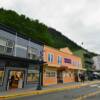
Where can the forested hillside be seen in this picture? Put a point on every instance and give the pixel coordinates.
(36, 30)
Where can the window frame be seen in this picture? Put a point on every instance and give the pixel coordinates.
(31, 55)
(50, 57)
(1, 84)
(33, 68)
(59, 60)
(6, 46)
(51, 74)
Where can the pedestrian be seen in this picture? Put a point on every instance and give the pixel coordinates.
(82, 77)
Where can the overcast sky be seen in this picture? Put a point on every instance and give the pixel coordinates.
(77, 19)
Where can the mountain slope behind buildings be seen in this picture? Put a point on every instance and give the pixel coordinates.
(36, 30)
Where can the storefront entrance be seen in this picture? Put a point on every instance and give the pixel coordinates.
(16, 73)
(60, 77)
(15, 79)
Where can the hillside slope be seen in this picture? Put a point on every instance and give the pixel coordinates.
(36, 30)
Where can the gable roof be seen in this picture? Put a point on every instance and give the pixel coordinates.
(66, 50)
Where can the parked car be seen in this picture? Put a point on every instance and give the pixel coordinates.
(96, 75)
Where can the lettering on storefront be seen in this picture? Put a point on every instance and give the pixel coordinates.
(66, 60)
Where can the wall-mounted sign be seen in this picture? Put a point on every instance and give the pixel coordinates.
(66, 60)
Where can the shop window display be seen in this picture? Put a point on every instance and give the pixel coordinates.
(1, 77)
(16, 79)
(33, 76)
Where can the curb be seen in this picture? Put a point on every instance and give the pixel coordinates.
(39, 92)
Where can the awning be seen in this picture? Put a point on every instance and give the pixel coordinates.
(71, 67)
(19, 59)
(62, 67)
(51, 65)
(68, 67)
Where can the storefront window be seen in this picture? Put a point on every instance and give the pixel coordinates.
(16, 79)
(33, 76)
(1, 76)
(50, 74)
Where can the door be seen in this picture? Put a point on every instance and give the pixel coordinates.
(60, 76)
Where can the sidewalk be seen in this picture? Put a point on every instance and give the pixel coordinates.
(48, 89)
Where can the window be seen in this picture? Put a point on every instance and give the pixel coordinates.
(6, 46)
(8, 50)
(10, 43)
(32, 56)
(9, 47)
(1, 76)
(2, 45)
(59, 60)
(32, 53)
(79, 64)
(16, 79)
(50, 74)
(2, 42)
(50, 57)
(2, 49)
(33, 76)
(74, 63)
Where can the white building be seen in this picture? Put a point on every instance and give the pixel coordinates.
(96, 60)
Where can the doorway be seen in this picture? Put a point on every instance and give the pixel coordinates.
(15, 79)
(59, 76)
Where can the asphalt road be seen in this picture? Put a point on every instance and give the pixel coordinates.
(96, 97)
(74, 94)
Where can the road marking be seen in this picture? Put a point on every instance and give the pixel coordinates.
(82, 97)
(95, 85)
(98, 86)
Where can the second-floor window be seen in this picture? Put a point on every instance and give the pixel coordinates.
(76, 63)
(50, 57)
(59, 60)
(6, 46)
(32, 53)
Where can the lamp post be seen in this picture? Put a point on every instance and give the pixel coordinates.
(40, 64)
(39, 87)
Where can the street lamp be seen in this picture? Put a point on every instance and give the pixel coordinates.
(40, 64)
(39, 87)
